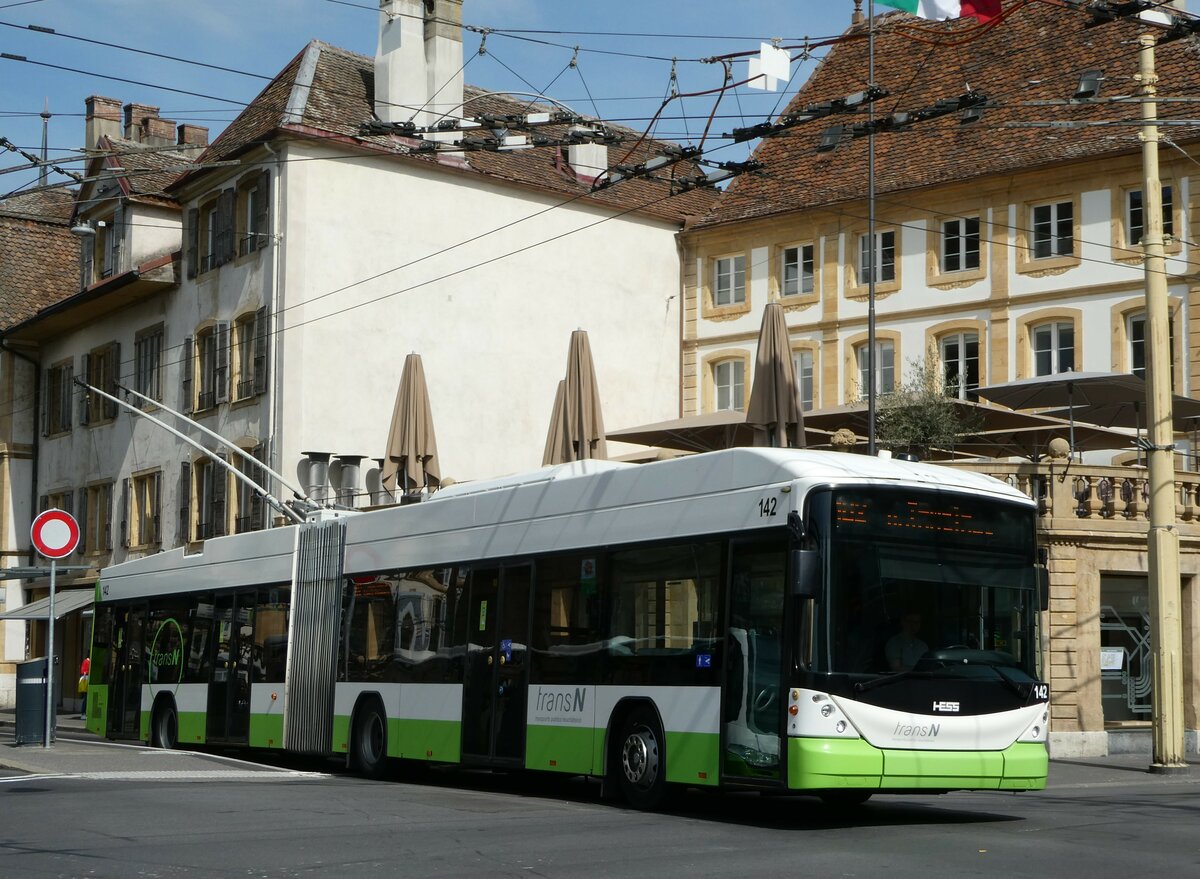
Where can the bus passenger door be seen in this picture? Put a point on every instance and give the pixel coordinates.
(752, 702)
(497, 670)
(125, 698)
(229, 691)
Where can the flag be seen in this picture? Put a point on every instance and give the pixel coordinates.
(938, 10)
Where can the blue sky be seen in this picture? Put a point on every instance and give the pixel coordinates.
(261, 36)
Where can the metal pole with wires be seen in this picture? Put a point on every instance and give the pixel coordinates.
(871, 252)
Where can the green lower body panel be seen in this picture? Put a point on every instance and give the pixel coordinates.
(266, 730)
(97, 708)
(433, 740)
(830, 764)
(341, 733)
(193, 727)
(561, 748)
(694, 758)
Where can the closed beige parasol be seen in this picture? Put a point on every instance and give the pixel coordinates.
(410, 457)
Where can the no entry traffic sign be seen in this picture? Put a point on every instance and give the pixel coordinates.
(55, 534)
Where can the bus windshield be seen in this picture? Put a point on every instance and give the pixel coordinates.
(927, 581)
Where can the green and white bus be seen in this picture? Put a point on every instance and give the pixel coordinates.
(786, 620)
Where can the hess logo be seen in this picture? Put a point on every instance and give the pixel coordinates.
(946, 707)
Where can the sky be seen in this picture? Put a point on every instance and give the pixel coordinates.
(261, 36)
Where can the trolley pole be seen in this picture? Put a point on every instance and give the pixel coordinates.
(1166, 638)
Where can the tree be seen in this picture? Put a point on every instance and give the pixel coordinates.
(921, 415)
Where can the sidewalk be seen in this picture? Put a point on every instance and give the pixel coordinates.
(78, 752)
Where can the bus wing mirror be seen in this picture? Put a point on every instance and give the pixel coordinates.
(1043, 587)
(806, 573)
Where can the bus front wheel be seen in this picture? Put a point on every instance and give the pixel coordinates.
(641, 760)
(164, 728)
(370, 741)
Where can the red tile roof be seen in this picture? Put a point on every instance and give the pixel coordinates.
(1035, 54)
(340, 100)
(39, 257)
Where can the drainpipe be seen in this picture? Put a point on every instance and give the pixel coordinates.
(37, 434)
(274, 452)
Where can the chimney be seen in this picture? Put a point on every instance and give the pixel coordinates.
(158, 131)
(400, 88)
(444, 59)
(193, 135)
(317, 479)
(103, 120)
(588, 160)
(136, 116)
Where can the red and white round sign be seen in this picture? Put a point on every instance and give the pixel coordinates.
(55, 534)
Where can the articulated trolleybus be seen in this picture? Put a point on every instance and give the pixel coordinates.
(786, 620)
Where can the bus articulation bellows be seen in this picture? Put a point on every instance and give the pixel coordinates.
(764, 618)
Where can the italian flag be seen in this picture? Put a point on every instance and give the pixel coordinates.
(939, 10)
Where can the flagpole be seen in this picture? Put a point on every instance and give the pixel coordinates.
(871, 254)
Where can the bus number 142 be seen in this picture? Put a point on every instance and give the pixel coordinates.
(766, 506)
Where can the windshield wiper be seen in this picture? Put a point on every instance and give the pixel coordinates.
(864, 686)
(1012, 685)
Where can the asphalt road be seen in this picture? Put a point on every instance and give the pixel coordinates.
(313, 820)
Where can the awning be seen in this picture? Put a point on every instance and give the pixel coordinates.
(65, 602)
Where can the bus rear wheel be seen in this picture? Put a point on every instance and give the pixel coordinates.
(370, 740)
(164, 727)
(641, 760)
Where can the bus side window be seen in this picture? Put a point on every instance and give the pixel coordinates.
(199, 658)
(566, 613)
(270, 634)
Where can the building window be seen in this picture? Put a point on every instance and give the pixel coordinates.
(729, 380)
(147, 362)
(248, 511)
(797, 272)
(253, 214)
(211, 480)
(729, 280)
(1135, 224)
(100, 370)
(63, 499)
(1135, 328)
(249, 355)
(95, 518)
(802, 362)
(210, 230)
(143, 511)
(1053, 348)
(885, 368)
(1053, 230)
(960, 244)
(885, 257)
(960, 364)
(212, 365)
(58, 386)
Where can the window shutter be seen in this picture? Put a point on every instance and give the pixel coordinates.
(220, 480)
(68, 389)
(85, 400)
(126, 489)
(225, 208)
(184, 523)
(43, 503)
(221, 379)
(47, 402)
(155, 535)
(193, 240)
(118, 240)
(104, 496)
(68, 506)
(85, 543)
(85, 261)
(186, 367)
(262, 339)
(257, 507)
(114, 378)
(262, 216)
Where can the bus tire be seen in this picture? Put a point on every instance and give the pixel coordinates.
(370, 740)
(164, 726)
(641, 766)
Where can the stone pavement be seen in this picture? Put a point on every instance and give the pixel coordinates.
(79, 753)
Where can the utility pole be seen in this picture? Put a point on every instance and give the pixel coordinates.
(1166, 638)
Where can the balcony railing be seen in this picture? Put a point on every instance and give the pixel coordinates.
(1119, 495)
